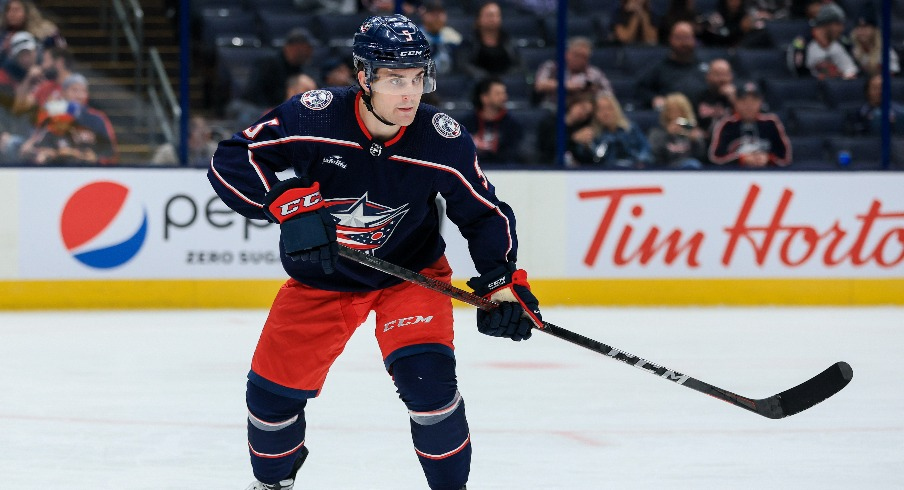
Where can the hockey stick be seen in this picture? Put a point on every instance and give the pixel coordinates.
(784, 404)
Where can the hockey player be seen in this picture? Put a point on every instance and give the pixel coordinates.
(369, 162)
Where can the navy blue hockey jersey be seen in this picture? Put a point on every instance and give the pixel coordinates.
(381, 195)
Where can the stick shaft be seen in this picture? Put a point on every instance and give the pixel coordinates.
(778, 406)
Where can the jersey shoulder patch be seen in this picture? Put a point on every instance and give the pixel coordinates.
(446, 126)
(316, 100)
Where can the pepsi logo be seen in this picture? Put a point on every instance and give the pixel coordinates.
(102, 225)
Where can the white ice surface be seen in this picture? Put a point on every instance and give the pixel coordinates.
(155, 400)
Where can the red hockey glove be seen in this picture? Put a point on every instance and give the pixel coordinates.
(518, 309)
(307, 229)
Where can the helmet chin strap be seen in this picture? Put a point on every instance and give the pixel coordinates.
(365, 96)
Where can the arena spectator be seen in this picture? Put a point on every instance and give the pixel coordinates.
(733, 24)
(868, 118)
(677, 142)
(298, 84)
(678, 72)
(71, 132)
(42, 82)
(766, 10)
(678, 11)
(13, 71)
(444, 40)
(866, 40)
(750, 138)
(497, 135)
(580, 75)
(201, 145)
(24, 16)
(616, 142)
(821, 54)
(632, 23)
(489, 50)
(267, 84)
(56, 66)
(578, 116)
(717, 99)
(336, 72)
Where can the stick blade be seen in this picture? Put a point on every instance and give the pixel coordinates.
(807, 394)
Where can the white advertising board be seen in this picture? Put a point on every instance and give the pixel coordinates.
(168, 224)
(137, 223)
(706, 224)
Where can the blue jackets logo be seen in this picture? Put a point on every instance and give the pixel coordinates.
(102, 225)
(363, 224)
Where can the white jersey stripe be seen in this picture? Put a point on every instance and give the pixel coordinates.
(231, 188)
(316, 139)
(424, 163)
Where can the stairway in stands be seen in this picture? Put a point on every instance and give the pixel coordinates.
(86, 26)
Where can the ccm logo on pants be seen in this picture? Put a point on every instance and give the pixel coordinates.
(404, 322)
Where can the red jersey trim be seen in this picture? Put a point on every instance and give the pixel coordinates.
(364, 130)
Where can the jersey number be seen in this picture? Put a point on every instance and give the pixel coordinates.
(251, 132)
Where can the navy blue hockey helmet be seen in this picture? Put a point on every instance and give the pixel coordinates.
(393, 41)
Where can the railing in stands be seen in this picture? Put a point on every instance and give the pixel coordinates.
(169, 123)
(131, 23)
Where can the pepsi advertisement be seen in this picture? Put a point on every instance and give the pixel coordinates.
(137, 223)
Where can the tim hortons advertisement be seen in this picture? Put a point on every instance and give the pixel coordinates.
(736, 225)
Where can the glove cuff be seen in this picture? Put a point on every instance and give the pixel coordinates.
(498, 278)
(286, 204)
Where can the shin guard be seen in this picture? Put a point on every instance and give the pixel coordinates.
(439, 429)
(276, 428)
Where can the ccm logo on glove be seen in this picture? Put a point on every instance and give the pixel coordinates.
(296, 200)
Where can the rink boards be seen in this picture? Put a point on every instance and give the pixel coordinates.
(145, 238)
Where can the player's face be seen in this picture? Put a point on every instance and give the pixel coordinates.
(396, 93)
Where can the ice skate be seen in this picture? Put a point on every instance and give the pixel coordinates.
(287, 483)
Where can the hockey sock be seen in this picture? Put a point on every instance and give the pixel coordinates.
(276, 428)
(439, 429)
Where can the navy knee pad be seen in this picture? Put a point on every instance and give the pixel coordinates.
(276, 429)
(439, 429)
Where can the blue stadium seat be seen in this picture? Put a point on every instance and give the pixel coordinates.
(866, 152)
(235, 64)
(519, 90)
(588, 26)
(336, 30)
(638, 58)
(624, 91)
(644, 119)
(810, 153)
(276, 24)
(198, 7)
(707, 54)
(610, 59)
(454, 90)
(530, 121)
(524, 29)
(794, 93)
(217, 26)
(841, 92)
(533, 57)
(761, 63)
(814, 122)
(463, 23)
(782, 32)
